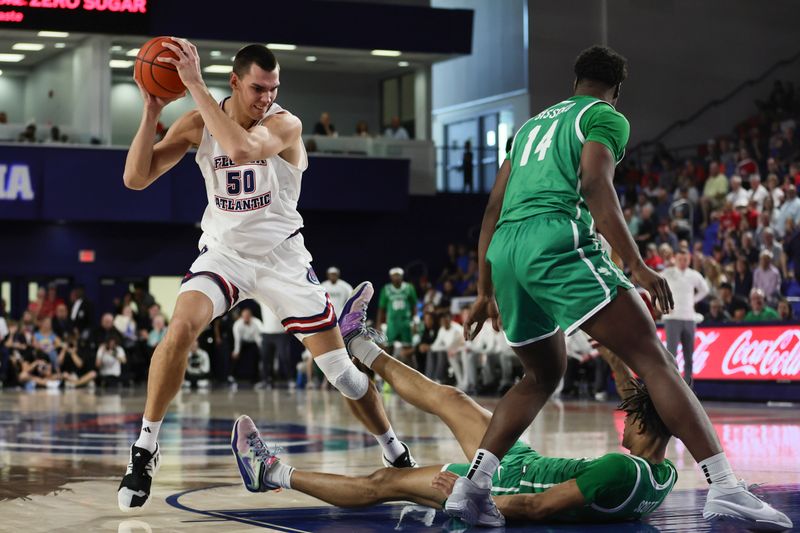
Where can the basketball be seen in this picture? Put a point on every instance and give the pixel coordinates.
(158, 78)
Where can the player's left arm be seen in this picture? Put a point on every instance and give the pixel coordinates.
(539, 506)
(273, 136)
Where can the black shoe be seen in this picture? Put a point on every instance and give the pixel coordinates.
(134, 490)
(404, 461)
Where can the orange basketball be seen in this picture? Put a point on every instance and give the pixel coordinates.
(159, 79)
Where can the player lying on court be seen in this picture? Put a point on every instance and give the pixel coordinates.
(527, 486)
(252, 158)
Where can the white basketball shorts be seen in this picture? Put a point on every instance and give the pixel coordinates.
(283, 280)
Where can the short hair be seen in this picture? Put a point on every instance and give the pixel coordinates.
(254, 53)
(641, 408)
(601, 64)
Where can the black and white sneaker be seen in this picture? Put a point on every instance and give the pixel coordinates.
(134, 490)
(404, 461)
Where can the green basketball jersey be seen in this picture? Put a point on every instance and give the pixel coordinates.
(546, 153)
(399, 303)
(616, 486)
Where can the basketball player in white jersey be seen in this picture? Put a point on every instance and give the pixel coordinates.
(252, 157)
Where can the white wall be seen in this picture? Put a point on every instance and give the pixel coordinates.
(682, 53)
(41, 105)
(498, 63)
(12, 98)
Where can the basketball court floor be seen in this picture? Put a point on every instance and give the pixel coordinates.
(62, 455)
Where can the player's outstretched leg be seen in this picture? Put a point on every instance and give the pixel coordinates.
(258, 464)
(193, 312)
(352, 324)
(681, 411)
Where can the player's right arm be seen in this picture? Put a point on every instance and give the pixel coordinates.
(146, 162)
(597, 186)
(485, 306)
(539, 506)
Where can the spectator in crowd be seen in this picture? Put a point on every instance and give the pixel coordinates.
(767, 278)
(80, 309)
(716, 313)
(775, 191)
(647, 227)
(396, 308)
(3, 117)
(432, 297)
(714, 275)
(106, 330)
(652, 259)
(62, 325)
(246, 345)
(51, 302)
(158, 332)
(790, 209)
(737, 194)
(791, 247)
(688, 288)
(770, 245)
(666, 236)
(198, 368)
(223, 346)
(758, 193)
(275, 344)
(142, 299)
(29, 134)
(125, 324)
(36, 307)
(448, 293)
(748, 248)
(47, 342)
(734, 305)
(109, 361)
(396, 131)
(362, 129)
(3, 321)
(785, 312)
(759, 311)
(324, 126)
(667, 255)
(37, 372)
(427, 330)
(74, 371)
(742, 277)
(714, 190)
(448, 344)
(467, 361)
(338, 289)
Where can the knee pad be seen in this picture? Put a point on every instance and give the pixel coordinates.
(343, 374)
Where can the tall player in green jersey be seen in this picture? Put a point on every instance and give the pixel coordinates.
(540, 260)
(528, 486)
(396, 307)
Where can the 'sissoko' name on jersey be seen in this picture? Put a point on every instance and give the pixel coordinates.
(553, 113)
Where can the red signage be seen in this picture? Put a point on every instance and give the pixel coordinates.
(765, 353)
(115, 16)
(86, 256)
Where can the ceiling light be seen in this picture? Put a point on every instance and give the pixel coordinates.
(116, 48)
(402, 63)
(132, 52)
(120, 63)
(53, 34)
(386, 53)
(280, 46)
(311, 59)
(11, 58)
(31, 47)
(218, 69)
(60, 45)
(215, 53)
(1, 72)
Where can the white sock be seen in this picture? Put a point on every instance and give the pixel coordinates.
(364, 350)
(149, 435)
(392, 449)
(718, 471)
(483, 468)
(281, 474)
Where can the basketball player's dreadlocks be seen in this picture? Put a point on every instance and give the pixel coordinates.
(640, 406)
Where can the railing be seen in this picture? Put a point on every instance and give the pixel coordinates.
(713, 103)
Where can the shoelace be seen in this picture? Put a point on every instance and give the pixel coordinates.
(262, 451)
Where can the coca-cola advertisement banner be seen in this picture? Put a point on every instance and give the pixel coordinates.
(765, 353)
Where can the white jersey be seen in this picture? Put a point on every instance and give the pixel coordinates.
(252, 207)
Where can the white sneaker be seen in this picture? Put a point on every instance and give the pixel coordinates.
(473, 505)
(738, 504)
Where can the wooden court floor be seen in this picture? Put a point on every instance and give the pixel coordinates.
(63, 453)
